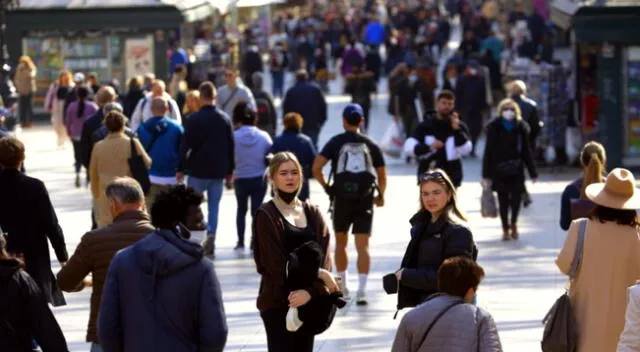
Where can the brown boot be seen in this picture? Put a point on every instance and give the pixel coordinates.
(514, 232)
(505, 235)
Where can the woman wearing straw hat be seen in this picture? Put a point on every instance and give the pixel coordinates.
(610, 261)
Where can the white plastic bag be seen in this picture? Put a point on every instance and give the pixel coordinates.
(393, 139)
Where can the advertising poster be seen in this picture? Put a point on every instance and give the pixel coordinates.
(139, 56)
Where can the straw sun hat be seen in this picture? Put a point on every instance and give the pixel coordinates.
(618, 192)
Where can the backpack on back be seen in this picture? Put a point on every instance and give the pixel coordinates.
(264, 112)
(353, 176)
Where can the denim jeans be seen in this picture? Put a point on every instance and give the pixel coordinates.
(248, 188)
(213, 187)
(277, 83)
(96, 348)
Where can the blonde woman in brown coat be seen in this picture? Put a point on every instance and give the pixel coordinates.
(25, 81)
(610, 261)
(109, 160)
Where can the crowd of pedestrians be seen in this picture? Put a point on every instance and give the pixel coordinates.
(154, 154)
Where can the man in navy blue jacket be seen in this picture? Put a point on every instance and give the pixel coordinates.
(306, 99)
(162, 294)
(160, 136)
(207, 156)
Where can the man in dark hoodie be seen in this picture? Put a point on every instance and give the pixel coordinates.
(162, 291)
(267, 114)
(307, 99)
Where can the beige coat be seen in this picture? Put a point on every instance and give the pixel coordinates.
(25, 80)
(610, 264)
(109, 160)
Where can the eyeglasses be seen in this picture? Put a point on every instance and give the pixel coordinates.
(433, 175)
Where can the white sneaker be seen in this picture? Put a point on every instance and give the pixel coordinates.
(343, 288)
(361, 298)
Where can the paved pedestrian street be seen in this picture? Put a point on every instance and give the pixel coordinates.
(521, 284)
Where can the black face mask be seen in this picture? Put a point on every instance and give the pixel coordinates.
(287, 197)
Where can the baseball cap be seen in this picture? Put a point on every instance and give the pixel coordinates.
(352, 109)
(78, 77)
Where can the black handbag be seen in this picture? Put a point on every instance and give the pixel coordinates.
(560, 326)
(139, 169)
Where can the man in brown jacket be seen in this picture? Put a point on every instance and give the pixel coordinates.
(96, 249)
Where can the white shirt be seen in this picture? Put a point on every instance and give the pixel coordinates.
(140, 114)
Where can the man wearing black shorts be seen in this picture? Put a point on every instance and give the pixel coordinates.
(354, 157)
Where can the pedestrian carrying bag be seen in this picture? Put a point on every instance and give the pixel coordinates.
(393, 139)
(353, 177)
(560, 326)
(139, 169)
(488, 207)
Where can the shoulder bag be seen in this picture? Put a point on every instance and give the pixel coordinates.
(138, 168)
(435, 320)
(560, 326)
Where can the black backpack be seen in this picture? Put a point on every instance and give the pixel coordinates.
(353, 173)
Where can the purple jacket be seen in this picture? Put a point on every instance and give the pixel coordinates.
(73, 122)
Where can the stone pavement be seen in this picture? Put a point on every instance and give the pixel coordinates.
(521, 284)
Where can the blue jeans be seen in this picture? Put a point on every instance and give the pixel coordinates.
(277, 83)
(96, 348)
(245, 188)
(213, 187)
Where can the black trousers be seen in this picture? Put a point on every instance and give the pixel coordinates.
(279, 339)
(509, 200)
(25, 108)
(77, 153)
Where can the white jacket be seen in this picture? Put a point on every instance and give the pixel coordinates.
(630, 337)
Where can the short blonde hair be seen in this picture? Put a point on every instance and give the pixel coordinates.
(511, 102)
(517, 87)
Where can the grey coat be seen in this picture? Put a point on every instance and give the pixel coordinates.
(464, 328)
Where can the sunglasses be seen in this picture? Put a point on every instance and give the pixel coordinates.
(434, 175)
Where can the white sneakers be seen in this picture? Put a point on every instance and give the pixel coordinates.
(361, 298)
(343, 287)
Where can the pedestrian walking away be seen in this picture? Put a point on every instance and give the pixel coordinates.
(611, 245)
(163, 287)
(574, 203)
(506, 155)
(449, 321)
(307, 99)
(441, 139)
(93, 255)
(160, 136)
(267, 113)
(438, 232)
(24, 309)
(77, 114)
(29, 220)
(110, 160)
(233, 92)
(281, 226)
(143, 110)
(354, 160)
(207, 155)
(133, 95)
(293, 140)
(54, 104)
(251, 148)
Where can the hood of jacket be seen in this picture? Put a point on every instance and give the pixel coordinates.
(157, 124)
(247, 136)
(8, 267)
(163, 253)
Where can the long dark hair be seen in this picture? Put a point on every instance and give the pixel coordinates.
(83, 94)
(622, 217)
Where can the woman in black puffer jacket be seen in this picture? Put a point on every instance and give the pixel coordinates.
(24, 312)
(437, 233)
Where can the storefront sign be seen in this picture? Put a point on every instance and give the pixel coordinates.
(139, 56)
